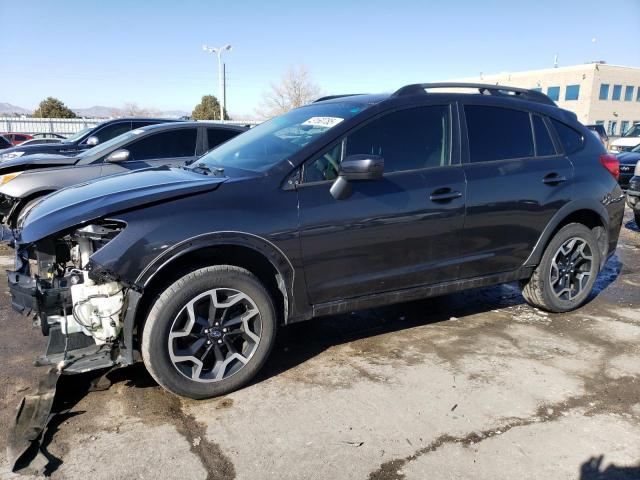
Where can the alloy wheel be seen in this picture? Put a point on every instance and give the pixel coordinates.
(571, 269)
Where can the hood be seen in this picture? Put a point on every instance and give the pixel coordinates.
(629, 158)
(626, 141)
(106, 196)
(41, 160)
(43, 148)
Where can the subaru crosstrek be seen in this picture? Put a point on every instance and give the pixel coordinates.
(348, 203)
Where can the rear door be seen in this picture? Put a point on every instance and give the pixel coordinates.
(401, 231)
(170, 147)
(517, 179)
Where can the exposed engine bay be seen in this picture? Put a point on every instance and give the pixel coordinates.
(53, 279)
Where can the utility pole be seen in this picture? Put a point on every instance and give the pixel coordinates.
(222, 89)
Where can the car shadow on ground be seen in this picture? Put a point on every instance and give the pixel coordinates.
(631, 225)
(591, 470)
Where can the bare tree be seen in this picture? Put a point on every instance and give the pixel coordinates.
(131, 109)
(296, 88)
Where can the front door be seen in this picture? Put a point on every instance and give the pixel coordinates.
(397, 232)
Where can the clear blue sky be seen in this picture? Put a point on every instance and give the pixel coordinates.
(109, 52)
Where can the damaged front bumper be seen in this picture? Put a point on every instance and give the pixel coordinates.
(82, 312)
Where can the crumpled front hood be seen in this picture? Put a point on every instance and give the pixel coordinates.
(95, 199)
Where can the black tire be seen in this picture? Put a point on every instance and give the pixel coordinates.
(540, 291)
(164, 318)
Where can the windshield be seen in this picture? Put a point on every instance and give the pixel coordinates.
(78, 135)
(633, 131)
(103, 147)
(271, 142)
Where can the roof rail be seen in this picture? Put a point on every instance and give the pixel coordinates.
(331, 97)
(484, 89)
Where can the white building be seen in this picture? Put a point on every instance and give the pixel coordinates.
(598, 93)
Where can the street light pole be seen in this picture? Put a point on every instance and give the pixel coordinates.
(222, 90)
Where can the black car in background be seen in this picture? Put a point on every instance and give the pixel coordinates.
(84, 139)
(4, 143)
(348, 203)
(24, 180)
(628, 162)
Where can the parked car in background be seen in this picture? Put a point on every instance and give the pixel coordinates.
(628, 162)
(16, 138)
(344, 204)
(84, 139)
(4, 143)
(24, 180)
(600, 132)
(40, 141)
(633, 194)
(628, 141)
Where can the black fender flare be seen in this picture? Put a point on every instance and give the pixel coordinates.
(559, 217)
(277, 258)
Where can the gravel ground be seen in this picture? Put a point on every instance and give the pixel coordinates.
(471, 385)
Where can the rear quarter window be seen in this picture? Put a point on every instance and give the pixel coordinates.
(571, 139)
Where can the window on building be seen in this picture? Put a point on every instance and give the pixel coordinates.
(604, 91)
(613, 127)
(498, 133)
(599, 122)
(638, 94)
(624, 127)
(572, 92)
(553, 93)
(617, 91)
(628, 93)
(570, 139)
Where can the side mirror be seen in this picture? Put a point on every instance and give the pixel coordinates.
(356, 167)
(92, 141)
(118, 156)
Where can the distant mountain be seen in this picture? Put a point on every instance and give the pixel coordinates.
(96, 112)
(7, 109)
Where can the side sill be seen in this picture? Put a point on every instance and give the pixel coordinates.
(415, 293)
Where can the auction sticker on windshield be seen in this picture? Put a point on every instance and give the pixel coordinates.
(326, 122)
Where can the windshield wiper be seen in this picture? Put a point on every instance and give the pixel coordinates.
(204, 168)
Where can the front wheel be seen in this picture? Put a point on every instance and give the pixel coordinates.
(210, 332)
(567, 272)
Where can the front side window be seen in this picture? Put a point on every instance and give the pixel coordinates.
(410, 139)
(570, 139)
(112, 131)
(497, 133)
(544, 145)
(604, 91)
(617, 91)
(572, 92)
(553, 93)
(613, 127)
(271, 142)
(172, 144)
(628, 93)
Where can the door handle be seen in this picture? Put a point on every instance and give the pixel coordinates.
(554, 179)
(444, 195)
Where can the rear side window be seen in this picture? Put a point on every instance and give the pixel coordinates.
(497, 133)
(407, 139)
(544, 144)
(4, 143)
(570, 139)
(177, 143)
(216, 136)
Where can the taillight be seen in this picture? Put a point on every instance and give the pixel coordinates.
(612, 164)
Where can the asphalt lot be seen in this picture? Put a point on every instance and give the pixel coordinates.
(471, 385)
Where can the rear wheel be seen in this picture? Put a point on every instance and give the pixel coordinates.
(567, 272)
(210, 332)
